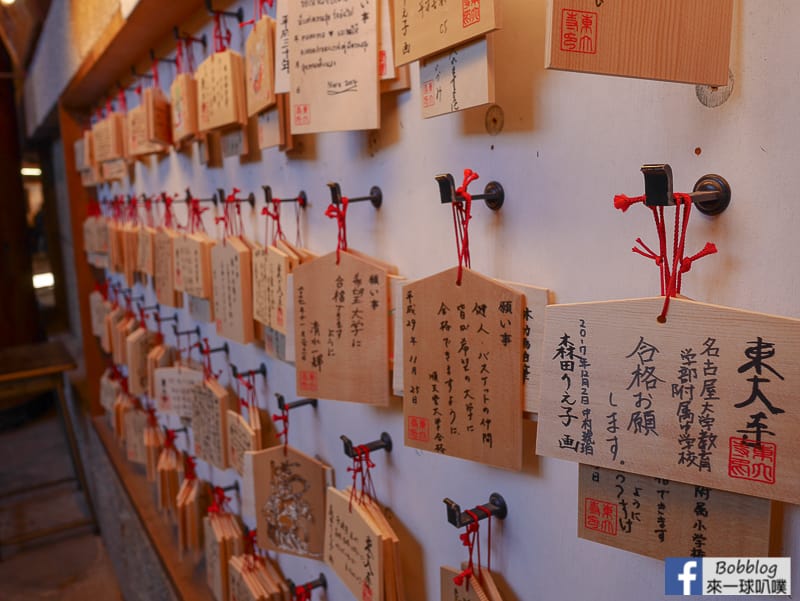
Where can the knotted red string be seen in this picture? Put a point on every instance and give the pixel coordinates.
(302, 593)
(169, 216)
(469, 538)
(275, 216)
(339, 213)
(219, 504)
(221, 41)
(196, 216)
(249, 382)
(462, 213)
(233, 227)
(169, 439)
(190, 468)
(179, 56)
(284, 433)
(133, 211)
(362, 476)
(671, 272)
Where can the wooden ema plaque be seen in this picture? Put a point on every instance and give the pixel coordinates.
(353, 548)
(174, 389)
(163, 269)
(342, 329)
(458, 79)
(462, 368)
(259, 60)
(429, 27)
(663, 518)
(707, 398)
(673, 40)
(271, 268)
(209, 423)
(232, 290)
(183, 93)
(288, 500)
(221, 91)
(333, 51)
(192, 264)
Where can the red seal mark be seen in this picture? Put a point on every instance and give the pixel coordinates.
(748, 460)
(382, 63)
(578, 31)
(366, 592)
(428, 95)
(419, 428)
(470, 12)
(302, 114)
(308, 381)
(600, 515)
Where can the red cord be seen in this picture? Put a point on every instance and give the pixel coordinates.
(339, 212)
(462, 214)
(275, 215)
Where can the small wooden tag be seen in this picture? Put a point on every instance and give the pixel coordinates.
(209, 423)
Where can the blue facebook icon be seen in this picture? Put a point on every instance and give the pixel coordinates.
(683, 576)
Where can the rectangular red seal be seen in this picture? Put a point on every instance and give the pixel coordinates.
(578, 31)
(600, 516)
(748, 460)
(419, 428)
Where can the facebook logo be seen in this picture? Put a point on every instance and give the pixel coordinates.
(683, 576)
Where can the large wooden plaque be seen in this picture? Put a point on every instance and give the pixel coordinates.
(671, 40)
(431, 26)
(232, 278)
(707, 398)
(333, 51)
(462, 369)
(664, 518)
(342, 329)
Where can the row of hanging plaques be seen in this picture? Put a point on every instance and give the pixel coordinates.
(708, 388)
(322, 68)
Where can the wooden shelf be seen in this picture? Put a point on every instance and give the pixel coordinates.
(187, 579)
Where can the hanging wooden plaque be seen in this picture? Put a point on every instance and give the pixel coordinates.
(425, 28)
(664, 518)
(458, 79)
(138, 143)
(232, 278)
(282, 62)
(334, 75)
(163, 270)
(470, 588)
(220, 91)
(353, 548)
(183, 94)
(210, 406)
(342, 329)
(241, 438)
(288, 500)
(174, 389)
(463, 349)
(259, 66)
(708, 398)
(192, 264)
(145, 250)
(674, 40)
(157, 116)
(271, 268)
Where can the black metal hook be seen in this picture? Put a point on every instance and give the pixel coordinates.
(495, 507)
(183, 430)
(251, 198)
(214, 198)
(140, 75)
(711, 194)
(262, 369)
(188, 38)
(238, 15)
(301, 199)
(375, 195)
(160, 319)
(493, 193)
(384, 442)
(153, 58)
(320, 582)
(210, 351)
(195, 331)
(155, 308)
(234, 486)
(282, 404)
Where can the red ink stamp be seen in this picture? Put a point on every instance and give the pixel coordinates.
(382, 63)
(428, 95)
(470, 12)
(307, 381)
(578, 31)
(750, 461)
(366, 592)
(600, 516)
(419, 429)
(302, 114)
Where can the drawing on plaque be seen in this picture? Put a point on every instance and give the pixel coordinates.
(287, 510)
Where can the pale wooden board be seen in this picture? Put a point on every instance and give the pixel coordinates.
(271, 268)
(174, 389)
(663, 518)
(144, 260)
(220, 91)
(183, 94)
(333, 50)
(387, 70)
(232, 283)
(396, 292)
(458, 79)
(612, 333)
(484, 420)
(135, 422)
(673, 40)
(282, 63)
(259, 66)
(159, 115)
(240, 439)
(163, 271)
(343, 358)
(288, 500)
(470, 589)
(426, 27)
(352, 548)
(136, 129)
(269, 129)
(210, 406)
(116, 170)
(536, 300)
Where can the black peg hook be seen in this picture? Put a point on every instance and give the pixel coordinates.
(251, 198)
(297, 590)
(711, 194)
(195, 331)
(301, 199)
(375, 195)
(493, 193)
(188, 38)
(205, 350)
(495, 507)
(140, 75)
(282, 404)
(188, 198)
(262, 369)
(162, 60)
(161, 319)
(384, 442)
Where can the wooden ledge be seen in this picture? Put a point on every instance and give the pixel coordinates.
(188, 580)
